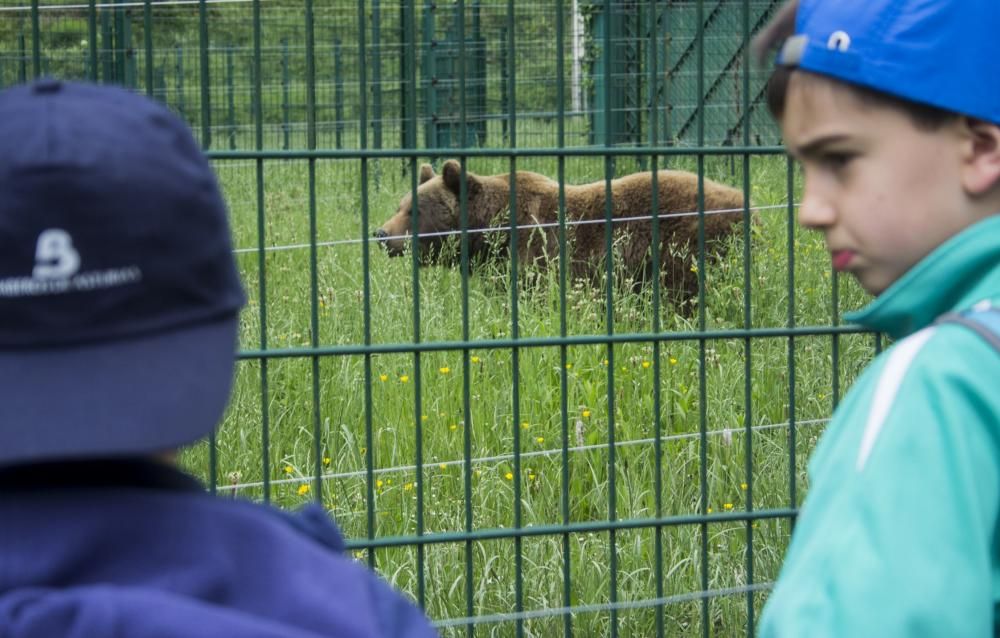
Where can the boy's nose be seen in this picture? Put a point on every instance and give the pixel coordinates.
(816, 211)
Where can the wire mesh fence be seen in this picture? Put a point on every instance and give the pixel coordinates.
(523, 452)
(205, 69)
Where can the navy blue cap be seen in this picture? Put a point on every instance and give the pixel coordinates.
(119, 295)
(941, 53)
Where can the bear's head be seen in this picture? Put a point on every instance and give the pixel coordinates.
(437, 213)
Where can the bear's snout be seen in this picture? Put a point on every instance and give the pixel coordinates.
(394, 246)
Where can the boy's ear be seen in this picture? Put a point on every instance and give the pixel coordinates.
(981, 155)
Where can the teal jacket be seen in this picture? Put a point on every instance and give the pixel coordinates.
(898, 535)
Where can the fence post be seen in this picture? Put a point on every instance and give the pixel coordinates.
(667, 74)
(230, 97)
(338, 87)
(254, 114)
(92, 66)
(504, 102)
(376, 66)
(160, 84)
(87, 70)
(147, 41)
(285, 124)
(128, 51)
(205, 84)
(179, 83)
(36, 37)
(118, 34)
(429, 77)
(22, 68)
(479, 72)
(408, 44)
(107, 48)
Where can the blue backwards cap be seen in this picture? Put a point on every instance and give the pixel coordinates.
(942, 53)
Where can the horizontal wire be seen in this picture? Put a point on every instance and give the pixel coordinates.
(499, 458)
(136, 3)
(501, 229)
(550, 612)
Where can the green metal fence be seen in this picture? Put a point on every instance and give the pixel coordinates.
(527, 459)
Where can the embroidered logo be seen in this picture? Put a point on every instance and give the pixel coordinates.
(55, 257)
(57, 271)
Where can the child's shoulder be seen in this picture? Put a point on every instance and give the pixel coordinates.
(982, 319)
(960, 353)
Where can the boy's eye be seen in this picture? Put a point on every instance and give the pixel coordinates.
(837, 160)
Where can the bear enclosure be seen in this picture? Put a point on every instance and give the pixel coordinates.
(523, 453)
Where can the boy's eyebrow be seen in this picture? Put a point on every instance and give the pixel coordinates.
(814, 147)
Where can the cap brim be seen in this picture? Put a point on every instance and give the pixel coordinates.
(122, 398)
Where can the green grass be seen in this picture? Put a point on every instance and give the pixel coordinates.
(517, 446)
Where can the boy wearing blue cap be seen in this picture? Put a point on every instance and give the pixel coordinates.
(119, 309)
(890, 107)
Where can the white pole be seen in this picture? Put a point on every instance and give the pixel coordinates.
(577, 69)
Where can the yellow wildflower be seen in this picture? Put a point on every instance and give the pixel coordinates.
(645, 364)
(383, 377)
(404, 378)
(289, 469)
(586, 414)
(444, 369)
(509, 476)
(475, 359)
(303, 490)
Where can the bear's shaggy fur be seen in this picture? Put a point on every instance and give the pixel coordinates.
(537, 206)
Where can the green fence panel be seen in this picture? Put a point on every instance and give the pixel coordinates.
(523, 451)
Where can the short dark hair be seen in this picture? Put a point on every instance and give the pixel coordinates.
(923, 116)
(781, 27)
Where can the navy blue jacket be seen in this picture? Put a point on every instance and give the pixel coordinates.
(138, 550)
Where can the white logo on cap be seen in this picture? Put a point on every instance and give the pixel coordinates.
(839, 41)
(55, 257)
(56, 271)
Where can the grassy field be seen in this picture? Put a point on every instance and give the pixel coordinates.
(518, 439)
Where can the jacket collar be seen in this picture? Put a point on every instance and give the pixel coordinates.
(957, 274)
(99, 473)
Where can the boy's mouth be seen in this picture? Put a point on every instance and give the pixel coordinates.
(842, 259)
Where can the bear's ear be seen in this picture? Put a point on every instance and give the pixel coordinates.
(426, 173)
(451, 173)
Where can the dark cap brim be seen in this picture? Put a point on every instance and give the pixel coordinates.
(122, 398)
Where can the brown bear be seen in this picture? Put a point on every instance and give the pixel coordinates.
(537, 205)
